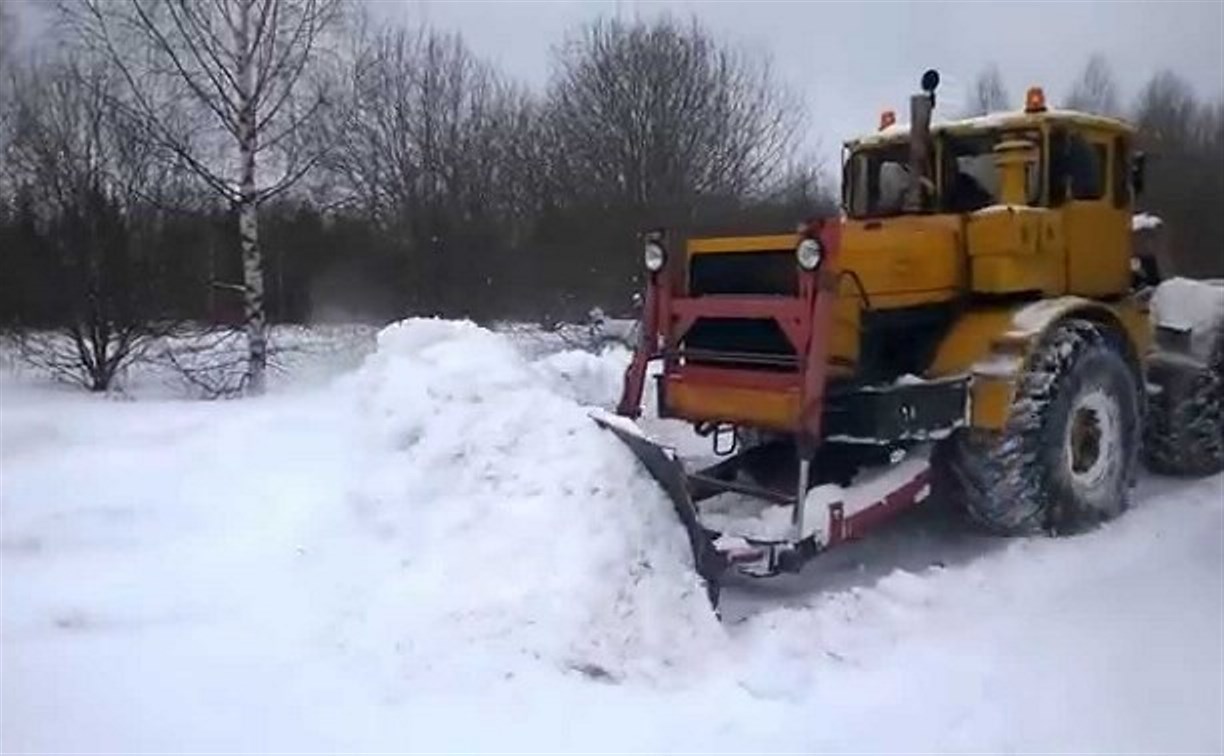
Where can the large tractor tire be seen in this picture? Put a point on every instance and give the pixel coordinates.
(1065, 459)
(1184, 429)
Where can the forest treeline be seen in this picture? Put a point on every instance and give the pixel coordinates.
(255, 161)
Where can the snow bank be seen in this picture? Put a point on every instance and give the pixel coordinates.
(1188, 304)
(521, 532)
(586, 378)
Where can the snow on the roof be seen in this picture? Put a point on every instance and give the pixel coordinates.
(1143, 221)
(989, 120)
(997, 118)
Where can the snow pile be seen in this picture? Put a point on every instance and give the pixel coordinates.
(519, 530)
(738, 516)
(1189, 305)
(1145, 221)
(1185, 303)
(586, 378)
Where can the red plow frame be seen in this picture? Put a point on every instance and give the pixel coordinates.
(806, 322)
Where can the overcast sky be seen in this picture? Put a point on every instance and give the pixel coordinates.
(849, 61)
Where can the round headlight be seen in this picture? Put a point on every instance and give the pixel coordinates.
(808, 253)
(654, 256)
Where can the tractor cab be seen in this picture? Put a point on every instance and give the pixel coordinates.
(1038, 201)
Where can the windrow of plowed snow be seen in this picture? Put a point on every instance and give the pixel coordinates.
(440, 553)
(524, 532)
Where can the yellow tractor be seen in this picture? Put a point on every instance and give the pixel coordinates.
(974, 320)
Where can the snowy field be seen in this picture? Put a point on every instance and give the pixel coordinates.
(438, 550)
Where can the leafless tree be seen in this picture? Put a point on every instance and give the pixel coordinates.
(660, 112)
(1095, 91)
(1184, 138)
(88, 180)
(1167, 109)
(988, 94)
(228, 87)
(8, 34)
(420, 128)
(8, 40)
(426, 150)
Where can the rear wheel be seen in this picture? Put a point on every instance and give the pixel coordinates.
(1065, 458)
(1184, 432)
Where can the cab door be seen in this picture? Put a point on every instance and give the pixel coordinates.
(1095, 207)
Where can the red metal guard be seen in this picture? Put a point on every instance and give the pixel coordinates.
(805, 320)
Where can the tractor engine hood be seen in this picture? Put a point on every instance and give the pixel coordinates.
(905, 261)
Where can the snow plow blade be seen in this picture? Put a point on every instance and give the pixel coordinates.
(665, 468)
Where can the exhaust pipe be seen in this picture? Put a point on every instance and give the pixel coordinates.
(921, 184)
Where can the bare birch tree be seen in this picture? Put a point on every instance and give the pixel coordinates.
(1095, 91)
(988, 94)
(1184, 138)
(228, 86)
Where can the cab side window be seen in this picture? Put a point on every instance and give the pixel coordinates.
(1077, 168)
(1087, 168)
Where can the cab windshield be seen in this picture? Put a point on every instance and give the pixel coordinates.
(967, 179)
(876, 180)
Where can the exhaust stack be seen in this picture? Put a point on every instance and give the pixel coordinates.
(921, 106)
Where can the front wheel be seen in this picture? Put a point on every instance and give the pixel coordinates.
(1065, 458)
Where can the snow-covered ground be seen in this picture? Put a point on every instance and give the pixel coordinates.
(439, 551)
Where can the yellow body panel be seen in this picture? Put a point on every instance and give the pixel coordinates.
(970, 341)
(906, 260)
(758, 408)
(991, 345)
(1099, 233)
(845, 340)
(1015, 250)
(990, 402)
(717, 244)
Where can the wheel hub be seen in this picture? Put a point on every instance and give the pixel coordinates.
(1085, 440)
(1092, 444)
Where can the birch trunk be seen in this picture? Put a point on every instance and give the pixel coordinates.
(247, 207)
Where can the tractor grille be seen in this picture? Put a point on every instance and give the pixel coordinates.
(739, 343)
(744, 273)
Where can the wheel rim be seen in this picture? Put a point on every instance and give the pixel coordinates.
(1093, 444)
